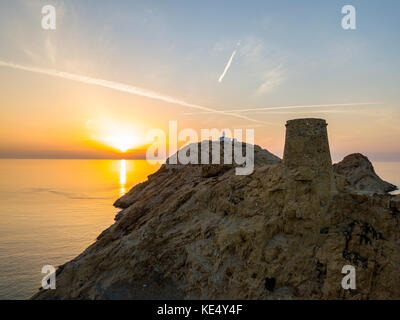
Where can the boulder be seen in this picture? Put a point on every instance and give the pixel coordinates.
(359, 172)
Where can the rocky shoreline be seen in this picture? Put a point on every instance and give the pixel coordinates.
(283, 232)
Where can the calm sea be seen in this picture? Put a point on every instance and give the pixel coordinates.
(51, 210)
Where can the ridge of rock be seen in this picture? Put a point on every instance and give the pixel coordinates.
(202, 232)
(360, 173)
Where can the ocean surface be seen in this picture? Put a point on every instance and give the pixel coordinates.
(51, 210)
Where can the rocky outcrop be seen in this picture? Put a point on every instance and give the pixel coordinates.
(261, 157)
(360, 174)
(274, 234)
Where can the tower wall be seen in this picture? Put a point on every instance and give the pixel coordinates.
(307, 145)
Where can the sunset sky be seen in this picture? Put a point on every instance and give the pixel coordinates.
(112, 70)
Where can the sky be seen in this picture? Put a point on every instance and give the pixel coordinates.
(113, 70)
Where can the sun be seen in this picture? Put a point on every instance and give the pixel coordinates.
(122, 142)
(116, 134)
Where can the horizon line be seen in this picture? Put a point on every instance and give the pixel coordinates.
(338, 156)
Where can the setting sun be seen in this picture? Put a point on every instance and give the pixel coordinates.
(114, 133)
(122, 142)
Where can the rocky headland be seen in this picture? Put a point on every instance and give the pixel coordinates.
(283, 232)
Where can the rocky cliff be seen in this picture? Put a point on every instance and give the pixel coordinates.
(360, 174)
(283, 232)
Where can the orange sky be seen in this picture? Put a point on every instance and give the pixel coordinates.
(62, 118)
(46, 114)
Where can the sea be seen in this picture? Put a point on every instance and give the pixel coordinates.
(51, 210)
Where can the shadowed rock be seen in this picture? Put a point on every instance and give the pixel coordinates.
(360, 173)
(282, 232)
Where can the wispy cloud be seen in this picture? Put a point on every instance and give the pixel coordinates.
(299, 107)
(265, 64)
(338, 111)
(227, 66)
(123, 88)
(272, 79)
(229, 63)
(50, 50)
(306, 106)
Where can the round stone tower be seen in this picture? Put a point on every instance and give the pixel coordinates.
(307, 146)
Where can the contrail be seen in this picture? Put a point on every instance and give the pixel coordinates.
(229, 63)
(297, 107)
(121, 87)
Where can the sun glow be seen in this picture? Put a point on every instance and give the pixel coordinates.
(122, 177)
(122, 142)
(115, 134)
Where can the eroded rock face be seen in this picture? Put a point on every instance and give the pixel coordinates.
(261, 157)
(264, 236)
(202, 232)
(360, 173)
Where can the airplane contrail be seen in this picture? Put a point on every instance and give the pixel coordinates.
(228, 64)
(121, 87)
(297, 107)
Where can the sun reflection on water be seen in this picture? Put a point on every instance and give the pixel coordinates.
(67, 202)
(122, 177)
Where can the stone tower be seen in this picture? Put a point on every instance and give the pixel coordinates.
(307, 147)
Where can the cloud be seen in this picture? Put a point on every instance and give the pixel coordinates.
(265, 65)
(307, 106)
(272, 80)
(300, 107)
(355, 111)
(50, 50)
(121, 87)
(228, 64)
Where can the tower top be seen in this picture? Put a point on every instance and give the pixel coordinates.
(306, 122)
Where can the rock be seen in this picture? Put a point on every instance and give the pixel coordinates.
(274, 234)
(261, 156)
(359, 172)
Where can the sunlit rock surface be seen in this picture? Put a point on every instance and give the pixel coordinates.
(283, 232)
